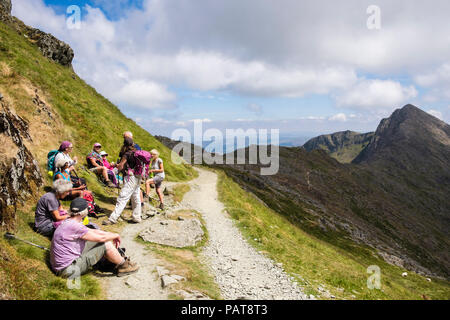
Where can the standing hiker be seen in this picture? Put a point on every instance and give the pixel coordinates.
(132, 183)
(157, 168)
(129, 135)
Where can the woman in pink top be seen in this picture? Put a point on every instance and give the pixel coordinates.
(112, 168)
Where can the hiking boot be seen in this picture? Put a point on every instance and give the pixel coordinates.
(110, 184)
(108, 223)
(161, 206)
(134, 221)
(126, 268)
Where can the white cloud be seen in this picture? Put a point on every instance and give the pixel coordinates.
(436, 114)
(145, 94)
(338, 117)
(255, 108)
(257, 48)
(376, 95)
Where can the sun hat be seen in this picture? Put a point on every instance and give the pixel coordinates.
(64, 145)
(97, 144)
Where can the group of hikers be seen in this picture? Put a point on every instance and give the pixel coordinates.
(77, 243)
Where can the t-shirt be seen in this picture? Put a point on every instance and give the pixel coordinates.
(131, 162)
(156, 165)
(97, 157)
(107, 164)
(44, 208)
(66, 158)
(67, 244)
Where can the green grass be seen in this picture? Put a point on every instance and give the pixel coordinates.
(187, 262)
(86, 116)
(341, 270)
(25, 270)
(179, 191)
(82, 116)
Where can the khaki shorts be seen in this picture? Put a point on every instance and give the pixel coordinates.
(96, 169)
(92, 253)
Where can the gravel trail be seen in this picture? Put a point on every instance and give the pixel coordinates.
(240, 271)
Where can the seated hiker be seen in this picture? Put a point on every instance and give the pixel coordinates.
(157, 169)
(95, 164)
(112, 168)
(62, 172)
(76, 248)
(65, 148)
(49, 211)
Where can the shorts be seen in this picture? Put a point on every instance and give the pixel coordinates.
(158, 181)
(95, 169)
(92, 253)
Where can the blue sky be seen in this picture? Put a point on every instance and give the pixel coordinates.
(306, 68)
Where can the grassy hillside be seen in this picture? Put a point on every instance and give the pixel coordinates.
(343, 146)
(314, 262)
(76, 112)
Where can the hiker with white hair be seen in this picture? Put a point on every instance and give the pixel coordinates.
(157, 169)
(76, 248)
(62, 173)
(49, 211)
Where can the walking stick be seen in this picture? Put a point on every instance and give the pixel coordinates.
(10, 236)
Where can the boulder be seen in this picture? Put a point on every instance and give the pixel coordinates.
(174, 233)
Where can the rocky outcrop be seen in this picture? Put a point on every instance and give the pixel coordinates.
(5, 10)
(20, 176)
(50, 46)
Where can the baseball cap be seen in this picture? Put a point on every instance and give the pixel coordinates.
(103, 153)
(78, 205)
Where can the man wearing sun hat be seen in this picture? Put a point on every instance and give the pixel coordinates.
(95, 164)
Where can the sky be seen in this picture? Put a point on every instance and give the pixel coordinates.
(303, 67)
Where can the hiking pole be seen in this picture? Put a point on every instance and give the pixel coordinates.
(10, 236)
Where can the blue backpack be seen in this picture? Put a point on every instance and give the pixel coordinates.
(51, 160)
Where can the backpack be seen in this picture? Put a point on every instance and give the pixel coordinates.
(51, 160)
(142, 160)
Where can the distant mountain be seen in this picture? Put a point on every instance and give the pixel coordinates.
(393, 197)
(343, 146)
